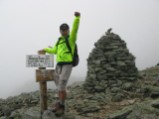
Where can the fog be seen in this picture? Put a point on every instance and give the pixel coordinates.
(27, 26)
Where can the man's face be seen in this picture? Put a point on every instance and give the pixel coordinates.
(64, 33)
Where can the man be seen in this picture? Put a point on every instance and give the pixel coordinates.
(64, 59)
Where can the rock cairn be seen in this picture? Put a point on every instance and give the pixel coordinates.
(110, 65)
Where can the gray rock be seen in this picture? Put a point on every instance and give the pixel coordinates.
(98, 88)
(89, 109)
(155, 94)
(128, 86)
(121, 114)
(7, 111)
(15, 114)
(3, 117)
(48, 115)
(155, 104)
(115, 90)
(33, 113)
(118, 97)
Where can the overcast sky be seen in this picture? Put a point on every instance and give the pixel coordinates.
(29, 25)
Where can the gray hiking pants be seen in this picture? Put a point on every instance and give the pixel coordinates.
(62, 75)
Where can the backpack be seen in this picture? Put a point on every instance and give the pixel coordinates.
(75, 56)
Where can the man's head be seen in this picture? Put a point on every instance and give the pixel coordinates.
(64, 29)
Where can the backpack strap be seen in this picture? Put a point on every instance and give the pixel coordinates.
(68, 45)
(58, 41)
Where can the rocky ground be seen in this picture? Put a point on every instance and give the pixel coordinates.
(80, 104)
(114, 89)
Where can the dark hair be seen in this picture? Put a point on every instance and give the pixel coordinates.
(64, 27)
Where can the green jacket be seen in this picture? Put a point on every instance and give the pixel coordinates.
(62, 51)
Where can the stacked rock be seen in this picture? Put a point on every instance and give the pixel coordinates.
(110, 65)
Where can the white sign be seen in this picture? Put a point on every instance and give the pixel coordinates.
(40, 60)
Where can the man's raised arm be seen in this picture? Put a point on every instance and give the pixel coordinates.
(76, 22)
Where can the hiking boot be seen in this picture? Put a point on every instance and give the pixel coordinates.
(60, 111)
(55, 107)
(58, 107)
